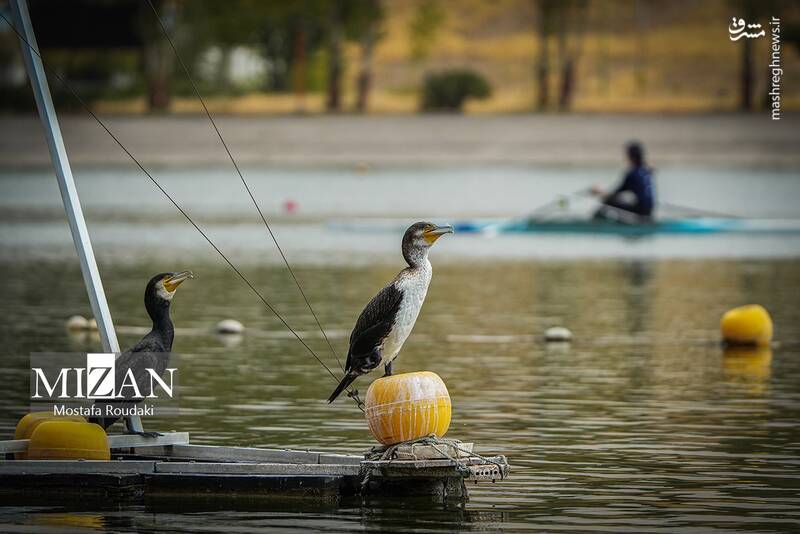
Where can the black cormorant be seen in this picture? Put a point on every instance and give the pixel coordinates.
(152, 351)
(387, 320)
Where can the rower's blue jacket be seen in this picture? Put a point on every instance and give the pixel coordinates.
(639, 181)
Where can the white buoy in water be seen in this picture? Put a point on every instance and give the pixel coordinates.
(91, 325)
(77, 323)
(557, 334)
(229, 326)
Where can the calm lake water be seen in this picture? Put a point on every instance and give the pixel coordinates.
(642, 424)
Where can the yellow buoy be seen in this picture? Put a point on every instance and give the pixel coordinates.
(407, 406)
(28, 424)
(68, 440)
(747, 325)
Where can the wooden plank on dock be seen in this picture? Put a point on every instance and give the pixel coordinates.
(126, 441)
(340, 459)
(213, 453)
(115, 441)
(70, 488)
(190, 485)
(21, 467)
(227, 468)
(11, 446)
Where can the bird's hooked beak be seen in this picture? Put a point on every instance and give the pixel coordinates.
(435, 232)
(172, 281)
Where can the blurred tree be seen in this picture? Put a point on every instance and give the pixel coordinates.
(565, 67)
(335, 31)
(567, 18)
(746, 73)
(291, 34)
(642, 15)
(307, 35)
(364, 26)
(286, 34)
(547, 10)
(299, 68)
(572, 18)
(233, 23)
(791, 35)
(158, 57)
(428, 17)
(357, 20)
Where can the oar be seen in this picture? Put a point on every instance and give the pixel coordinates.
(494, 228)
(559, 200)
(698, 211)
(678, 207)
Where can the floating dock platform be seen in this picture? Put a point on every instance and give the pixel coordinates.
(169, 465)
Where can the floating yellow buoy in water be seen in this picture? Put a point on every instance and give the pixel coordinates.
(747, 325)
(68, 440)
(407, 406)
(28, 424)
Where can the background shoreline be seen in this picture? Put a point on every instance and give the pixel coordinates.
(360, 142)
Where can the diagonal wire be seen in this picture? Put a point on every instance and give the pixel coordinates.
(174, 203)
(244, 182)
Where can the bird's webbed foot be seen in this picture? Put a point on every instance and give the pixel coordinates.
(387, 369)
(143, 433)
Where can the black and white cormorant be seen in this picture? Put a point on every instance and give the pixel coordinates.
(387, 320)
(152, 351)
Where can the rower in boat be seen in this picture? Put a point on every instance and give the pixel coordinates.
(633, 200)
(387, 320)
(153, 350)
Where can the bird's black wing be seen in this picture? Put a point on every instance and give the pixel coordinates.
(373, 325)
(149, 353)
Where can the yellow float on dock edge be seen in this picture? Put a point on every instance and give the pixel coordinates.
(28, 424)
(747, 325)
(68, 440)
(407, 406)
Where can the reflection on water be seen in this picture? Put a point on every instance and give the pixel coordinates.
(749, 365)
(642, 423)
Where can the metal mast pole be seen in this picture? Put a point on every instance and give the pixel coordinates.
(66, 183)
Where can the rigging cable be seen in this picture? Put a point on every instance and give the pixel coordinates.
(241, 177)
(86, 107)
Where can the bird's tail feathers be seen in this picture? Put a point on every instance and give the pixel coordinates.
(346, 381)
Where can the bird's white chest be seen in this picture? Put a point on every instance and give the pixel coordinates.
(414, 287)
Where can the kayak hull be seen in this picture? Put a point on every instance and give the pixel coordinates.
(666, 226)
